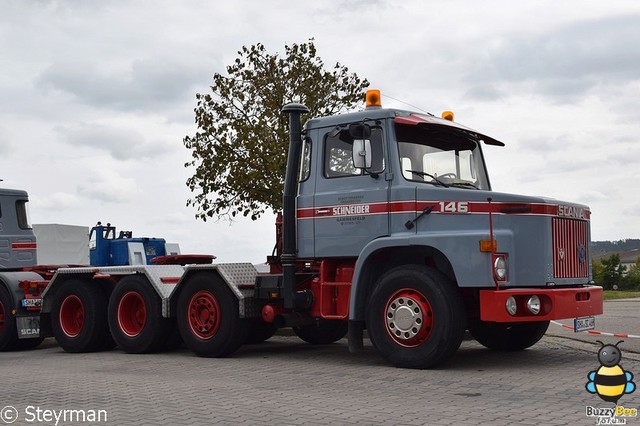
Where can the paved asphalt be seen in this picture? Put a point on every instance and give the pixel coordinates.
(288, 382)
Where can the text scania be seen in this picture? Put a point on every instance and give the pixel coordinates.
(37, 414)
(570, 211)
(351, 210)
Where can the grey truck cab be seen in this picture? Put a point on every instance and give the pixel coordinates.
(398, 210)
(19, 285)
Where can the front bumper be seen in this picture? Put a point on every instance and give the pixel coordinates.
(556, 303)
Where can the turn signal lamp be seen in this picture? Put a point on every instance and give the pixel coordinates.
(373, 98)
(488, 246)
(447, 115)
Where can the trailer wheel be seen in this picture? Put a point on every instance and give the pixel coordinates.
(8, 332)
(135, 316)
(79, 317)
(323, 332)
(508, 337)
(208, 317)
(415, 317)
(26, 344)
(260, 331)
(174, 339)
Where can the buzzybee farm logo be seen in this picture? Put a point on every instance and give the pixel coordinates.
(610, 382)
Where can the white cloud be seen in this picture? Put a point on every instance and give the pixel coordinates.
(109, 187)
(59, 201)
(122, 143)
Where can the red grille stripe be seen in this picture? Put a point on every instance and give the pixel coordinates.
(570, 248)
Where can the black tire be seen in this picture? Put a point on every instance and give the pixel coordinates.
(416, 317)
(208, 317)
(107, 285)
(79, 317)
(26, 344)
(135, 316)
(323, 332)
(260, 331)
(174, 339)
(9, 340)
(508, 337)
(8, 331)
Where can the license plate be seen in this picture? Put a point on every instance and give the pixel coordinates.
(28, 327)
(583, 324)
(31, 303)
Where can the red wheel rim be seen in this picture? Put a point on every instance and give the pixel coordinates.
(71, 316)
(408, 317)
(1, 316)
(132, 313)
(203, 314)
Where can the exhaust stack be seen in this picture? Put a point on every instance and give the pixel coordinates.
(292, 299)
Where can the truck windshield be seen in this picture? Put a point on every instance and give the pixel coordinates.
(440, 156)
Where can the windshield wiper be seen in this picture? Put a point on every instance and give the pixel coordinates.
(423, 174)
(464, 183)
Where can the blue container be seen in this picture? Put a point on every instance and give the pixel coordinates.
(120, 250)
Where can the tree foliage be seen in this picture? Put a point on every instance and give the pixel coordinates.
(610, 273)
(239, 150)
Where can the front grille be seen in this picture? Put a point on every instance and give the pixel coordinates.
(570, 248)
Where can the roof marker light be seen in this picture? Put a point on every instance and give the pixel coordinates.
(447, 115)
(373, 98)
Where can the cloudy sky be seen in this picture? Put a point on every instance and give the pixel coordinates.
(96, 97)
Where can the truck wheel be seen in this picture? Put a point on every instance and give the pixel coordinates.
(26, 344)
(79, 317)
(8, 332)
(415, 317)
(208, 317)
(508, 337)
(259, 331)
(322, 333)
(174, 339)
(135, 316)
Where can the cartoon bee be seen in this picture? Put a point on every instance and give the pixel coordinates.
(610, 381)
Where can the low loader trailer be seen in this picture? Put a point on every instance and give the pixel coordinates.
(389, 225)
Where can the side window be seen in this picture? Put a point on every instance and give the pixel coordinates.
(22, 214)
(338, 155)
(305, 163)
(338, 159)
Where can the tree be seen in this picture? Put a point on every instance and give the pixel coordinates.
(632, 279)
(612, 271)
(597, 270)
(239, 151)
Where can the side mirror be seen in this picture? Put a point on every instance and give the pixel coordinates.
(361, 153)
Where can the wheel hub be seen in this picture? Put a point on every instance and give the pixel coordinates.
(204, 315)
(72, 316)
(404, 318)
(408, 317)
(132, 314)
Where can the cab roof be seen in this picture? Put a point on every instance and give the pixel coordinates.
(399, 117)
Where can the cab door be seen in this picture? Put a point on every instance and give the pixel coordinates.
(350, 206)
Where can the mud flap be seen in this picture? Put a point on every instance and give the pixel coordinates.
(28, 327)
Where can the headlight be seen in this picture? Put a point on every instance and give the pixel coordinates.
(500, 268)
(534, 305)
(511, 305)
